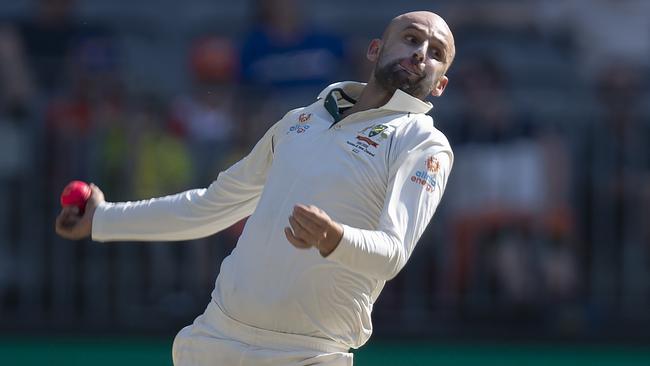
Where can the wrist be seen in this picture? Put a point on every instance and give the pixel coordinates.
(332, 240)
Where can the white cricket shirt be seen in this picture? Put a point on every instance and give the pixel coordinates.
(381, 173)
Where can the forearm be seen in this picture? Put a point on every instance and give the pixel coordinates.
(374, 253)
(192, 214)
(184, 216)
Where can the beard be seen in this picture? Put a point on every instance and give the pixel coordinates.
(392, 77)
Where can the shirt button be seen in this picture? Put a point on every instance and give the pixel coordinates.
(338, 127)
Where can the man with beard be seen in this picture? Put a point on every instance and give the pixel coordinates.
(359, 174)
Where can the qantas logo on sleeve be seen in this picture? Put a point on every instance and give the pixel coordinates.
(302, 125)
(304, 117)
(433, 165)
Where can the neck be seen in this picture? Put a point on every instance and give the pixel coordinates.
(372, 96)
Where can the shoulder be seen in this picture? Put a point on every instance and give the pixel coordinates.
(299, 114)
(295, 116)
(418, 141)
(420, 133)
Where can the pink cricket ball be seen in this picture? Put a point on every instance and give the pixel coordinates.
(76, 193)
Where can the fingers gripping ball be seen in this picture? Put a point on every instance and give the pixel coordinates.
(76, 193)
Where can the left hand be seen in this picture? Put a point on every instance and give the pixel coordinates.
(312, 227)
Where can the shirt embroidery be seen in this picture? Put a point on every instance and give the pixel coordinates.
(369, 139)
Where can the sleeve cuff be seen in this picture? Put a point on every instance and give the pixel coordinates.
(345, 245)
(97, 228)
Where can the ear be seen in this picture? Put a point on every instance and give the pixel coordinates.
(440, 86)
(374, 48)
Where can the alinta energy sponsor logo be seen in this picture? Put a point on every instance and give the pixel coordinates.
(426, 178)
(302, 125)
(370, 138)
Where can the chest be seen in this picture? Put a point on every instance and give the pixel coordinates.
(352, 155)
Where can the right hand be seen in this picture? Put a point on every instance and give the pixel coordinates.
(70, 225)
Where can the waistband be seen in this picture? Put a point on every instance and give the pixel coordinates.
(267, 338)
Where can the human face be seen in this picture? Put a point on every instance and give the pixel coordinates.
(414, 54)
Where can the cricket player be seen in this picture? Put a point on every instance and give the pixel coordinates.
(339, 192)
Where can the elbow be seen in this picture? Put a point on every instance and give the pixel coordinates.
(396, 261)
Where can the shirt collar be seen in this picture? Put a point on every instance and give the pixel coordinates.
(338, 95)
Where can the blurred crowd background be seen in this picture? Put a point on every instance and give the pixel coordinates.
(543, 233)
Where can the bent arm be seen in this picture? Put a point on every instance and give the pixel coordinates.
(413, 195)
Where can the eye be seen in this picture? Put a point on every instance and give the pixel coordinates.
(435, 53)
(411, 39)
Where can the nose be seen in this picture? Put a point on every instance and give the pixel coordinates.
(420, 52)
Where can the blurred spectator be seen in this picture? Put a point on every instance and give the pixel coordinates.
(113, 142)
(17, 88)
(616, 160)
(51, 38)
(77, 70)
(71, 115)
(600, 30)
(205, 118)
(595, 31)
(508, 179)
(16, 92)
(495, 14)
(16, 147)
(284, 50)
(162, 162)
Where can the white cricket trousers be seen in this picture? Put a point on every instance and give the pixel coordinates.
(214, 339)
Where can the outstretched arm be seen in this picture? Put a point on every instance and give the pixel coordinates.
(187, 215)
